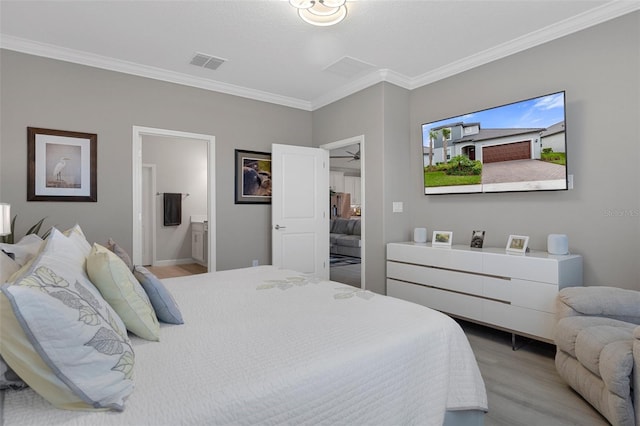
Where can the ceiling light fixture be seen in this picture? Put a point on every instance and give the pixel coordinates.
(322, 13)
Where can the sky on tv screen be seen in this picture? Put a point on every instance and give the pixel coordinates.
(540, 112)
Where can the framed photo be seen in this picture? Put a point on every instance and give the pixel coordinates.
(253, 177)
(517, 243)
(477, 239)
(62, 165)
(442, 238)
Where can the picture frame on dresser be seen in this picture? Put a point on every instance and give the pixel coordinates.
(517, 244)
(477, 239)
(442, 238)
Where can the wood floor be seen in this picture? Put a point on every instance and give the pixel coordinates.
(523, 387)
(177, 270)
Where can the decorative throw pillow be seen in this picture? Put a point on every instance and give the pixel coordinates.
(76, 235)
(61, 337)
(8, 378)
(121, 253)
(162, 301)
(8, 267)
(123, 292)
(24, 250)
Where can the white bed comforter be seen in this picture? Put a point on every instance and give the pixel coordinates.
(265, 346)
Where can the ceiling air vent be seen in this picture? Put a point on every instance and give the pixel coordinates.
(207, 61)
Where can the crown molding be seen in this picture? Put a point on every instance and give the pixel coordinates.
(608, 11)
(84, 58)
(595, 16)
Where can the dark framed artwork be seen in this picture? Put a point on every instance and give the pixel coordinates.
(62, 165)
(253, 177)
(477, 239)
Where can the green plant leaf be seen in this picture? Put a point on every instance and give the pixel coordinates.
(36, 228)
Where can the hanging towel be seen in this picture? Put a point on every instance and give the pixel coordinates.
(172, 209)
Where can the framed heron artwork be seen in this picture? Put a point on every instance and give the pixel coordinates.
(62, 165)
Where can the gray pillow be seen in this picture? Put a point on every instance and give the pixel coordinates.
(8, 378)
(121, 253)
(163, 303)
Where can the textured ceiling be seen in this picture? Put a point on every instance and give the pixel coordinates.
(273, 55)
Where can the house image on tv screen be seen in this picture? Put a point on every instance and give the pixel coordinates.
(462, 155)
(493, 145)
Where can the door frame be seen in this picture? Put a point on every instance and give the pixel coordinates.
(339, 144)
(152, 226)
(138, 133)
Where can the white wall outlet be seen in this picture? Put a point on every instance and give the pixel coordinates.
(570, 181)
(397, 207)
(254, 262)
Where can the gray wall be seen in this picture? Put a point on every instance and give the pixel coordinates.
(53, 94)
(380, 113)
(599, 68)
(181, 166)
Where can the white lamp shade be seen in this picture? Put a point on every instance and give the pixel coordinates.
(5, 219)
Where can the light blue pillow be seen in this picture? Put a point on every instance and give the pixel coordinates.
(165, 306)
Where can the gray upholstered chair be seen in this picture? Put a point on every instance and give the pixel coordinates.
(598, 347)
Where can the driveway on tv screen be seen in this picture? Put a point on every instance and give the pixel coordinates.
(505, 172)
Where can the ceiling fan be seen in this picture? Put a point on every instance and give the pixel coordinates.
(354, 156)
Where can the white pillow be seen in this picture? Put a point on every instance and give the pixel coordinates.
(25, 249)
(7, 267)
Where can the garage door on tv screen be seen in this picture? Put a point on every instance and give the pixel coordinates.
(519, 146)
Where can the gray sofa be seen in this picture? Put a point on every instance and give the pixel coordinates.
(598, 349)
(344, 237)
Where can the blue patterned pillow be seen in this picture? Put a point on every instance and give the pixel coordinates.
(61, 337)
(163, 303)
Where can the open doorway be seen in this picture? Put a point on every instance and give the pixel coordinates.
(141, 187)
(347, 213)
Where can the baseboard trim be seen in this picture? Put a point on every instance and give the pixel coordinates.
(173, 262)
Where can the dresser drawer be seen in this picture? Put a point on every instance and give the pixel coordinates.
(434, 277)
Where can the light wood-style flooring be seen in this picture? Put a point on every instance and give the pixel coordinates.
(177, 270)
(523, 387)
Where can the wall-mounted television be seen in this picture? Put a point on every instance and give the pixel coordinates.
(520, 146)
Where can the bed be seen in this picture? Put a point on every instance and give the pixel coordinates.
(267, 346)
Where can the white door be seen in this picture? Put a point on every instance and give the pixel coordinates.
(300, 209)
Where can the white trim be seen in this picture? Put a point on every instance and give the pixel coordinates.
(153, 190)
(173, 262)
(138, 132)
(340, 144)
(112, 64)
(595, 16)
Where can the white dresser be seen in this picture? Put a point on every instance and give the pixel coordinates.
(513, 292)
